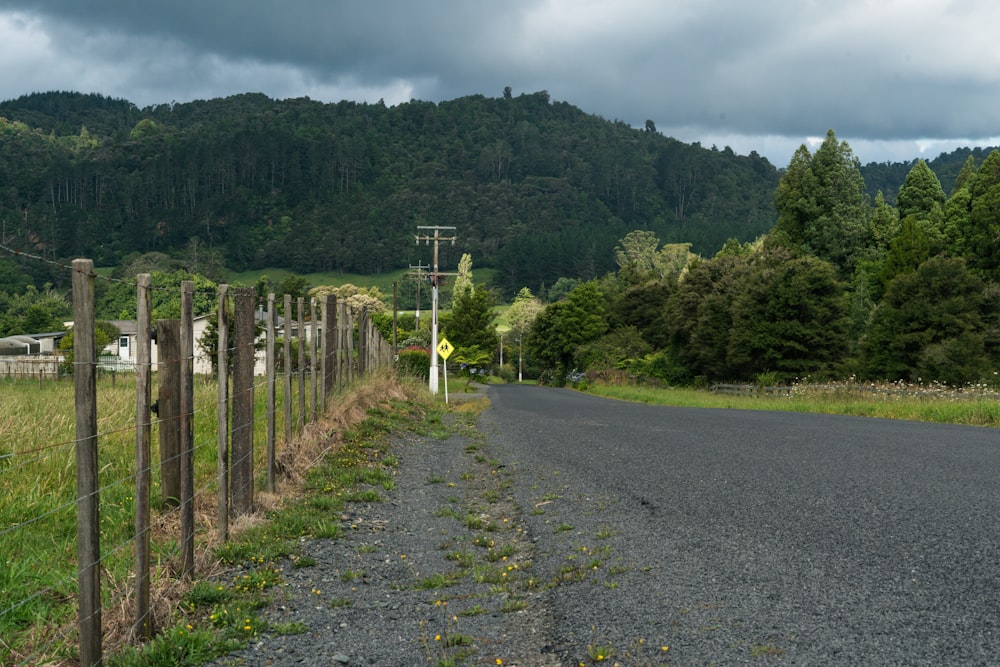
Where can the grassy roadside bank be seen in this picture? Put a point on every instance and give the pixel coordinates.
(976, 406)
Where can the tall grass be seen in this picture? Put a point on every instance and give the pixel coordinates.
(38, 499)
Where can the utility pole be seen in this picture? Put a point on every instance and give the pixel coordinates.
(435, 276)
(418, 272)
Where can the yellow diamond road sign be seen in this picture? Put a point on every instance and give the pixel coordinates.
(445, 349)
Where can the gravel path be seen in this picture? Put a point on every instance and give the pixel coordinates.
(439, 571)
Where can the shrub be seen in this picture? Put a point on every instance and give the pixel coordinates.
(414, 362)
(507, 373)
(660, 366)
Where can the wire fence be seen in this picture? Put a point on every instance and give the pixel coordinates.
(29, 368)
(882, 390)
(99, 478)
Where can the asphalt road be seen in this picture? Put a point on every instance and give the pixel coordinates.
(737, 537)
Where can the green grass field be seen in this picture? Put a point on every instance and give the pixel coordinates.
(38, 499)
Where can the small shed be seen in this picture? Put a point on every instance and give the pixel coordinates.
(12, 346)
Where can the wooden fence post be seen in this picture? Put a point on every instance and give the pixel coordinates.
(241, 477)
(168, 334)
(345, 321)
(313, 361)
(350, 371)
(373, 345)
(300, 337)
(363, 342)
(287, 350)
(330, 320)
(187, 428)
(222, 418)
(271, 317)
(340, 346)
(143, 626)
(395, 320)
(88, 531)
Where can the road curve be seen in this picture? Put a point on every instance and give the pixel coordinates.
(737, 537)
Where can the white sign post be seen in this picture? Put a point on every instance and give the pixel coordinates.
(444, 349)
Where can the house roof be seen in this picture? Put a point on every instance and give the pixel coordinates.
(126, 327)
(50, 334)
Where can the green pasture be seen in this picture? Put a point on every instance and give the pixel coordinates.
(38, 499)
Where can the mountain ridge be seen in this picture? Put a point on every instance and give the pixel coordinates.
(536, 189)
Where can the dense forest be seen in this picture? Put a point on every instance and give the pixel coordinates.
(536, 188)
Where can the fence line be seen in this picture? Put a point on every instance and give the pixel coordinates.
(29, 368)
(862, 389)
(347, 353)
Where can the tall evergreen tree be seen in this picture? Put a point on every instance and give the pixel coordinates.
(982, 232)
(921, 193)
(471, 322)
(795, 200)
(908, 251)
(463, 281)
(884, 224)
(822, 207)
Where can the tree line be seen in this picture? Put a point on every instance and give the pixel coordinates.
(840, 286)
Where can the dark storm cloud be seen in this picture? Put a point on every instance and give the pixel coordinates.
(889, 76)
(371, 42)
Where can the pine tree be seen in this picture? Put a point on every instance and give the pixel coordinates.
(921, 193)
(821, 204)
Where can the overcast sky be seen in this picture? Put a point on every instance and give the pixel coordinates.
(896, 79)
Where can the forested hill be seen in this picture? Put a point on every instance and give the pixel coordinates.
(538, 189)
(886, 177)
